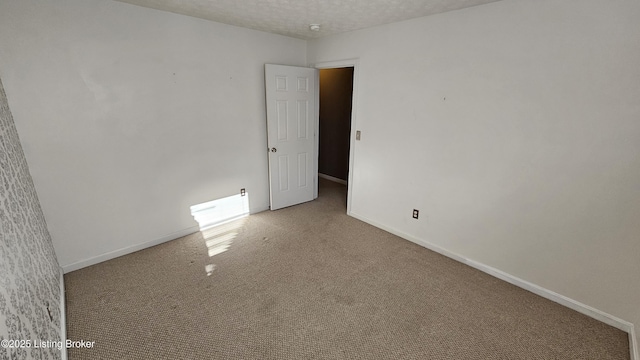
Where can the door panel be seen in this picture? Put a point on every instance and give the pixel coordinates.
(292, 98)
(302, 166)
(303, 119)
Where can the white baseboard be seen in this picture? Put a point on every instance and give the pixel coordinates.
(332, 178)
(133, 248)
(538, 290)
(260, 209)
(127, 250)
(63, 317)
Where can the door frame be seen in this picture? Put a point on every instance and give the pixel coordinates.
(352, 142)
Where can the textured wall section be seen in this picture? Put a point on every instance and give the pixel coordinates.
(29, 271)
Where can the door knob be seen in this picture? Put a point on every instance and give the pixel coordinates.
(274, 149)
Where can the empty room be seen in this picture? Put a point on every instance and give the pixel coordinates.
(188, 179)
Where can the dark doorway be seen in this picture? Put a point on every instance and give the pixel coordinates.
(336, 94)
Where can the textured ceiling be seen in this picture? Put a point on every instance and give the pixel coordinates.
(293, 17)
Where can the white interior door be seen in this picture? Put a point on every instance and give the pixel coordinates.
(292, 98)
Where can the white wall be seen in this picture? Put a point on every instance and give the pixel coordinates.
(515, 128)
(128, 116)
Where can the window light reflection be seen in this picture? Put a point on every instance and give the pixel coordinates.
(219, 222)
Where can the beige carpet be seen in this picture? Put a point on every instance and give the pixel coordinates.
(309, 282)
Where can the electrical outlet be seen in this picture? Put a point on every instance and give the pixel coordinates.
(242, 192)
(415, 213)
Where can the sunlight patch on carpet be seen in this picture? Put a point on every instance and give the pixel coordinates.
(219, 222)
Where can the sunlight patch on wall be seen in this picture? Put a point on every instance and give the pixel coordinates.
(216, 212)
